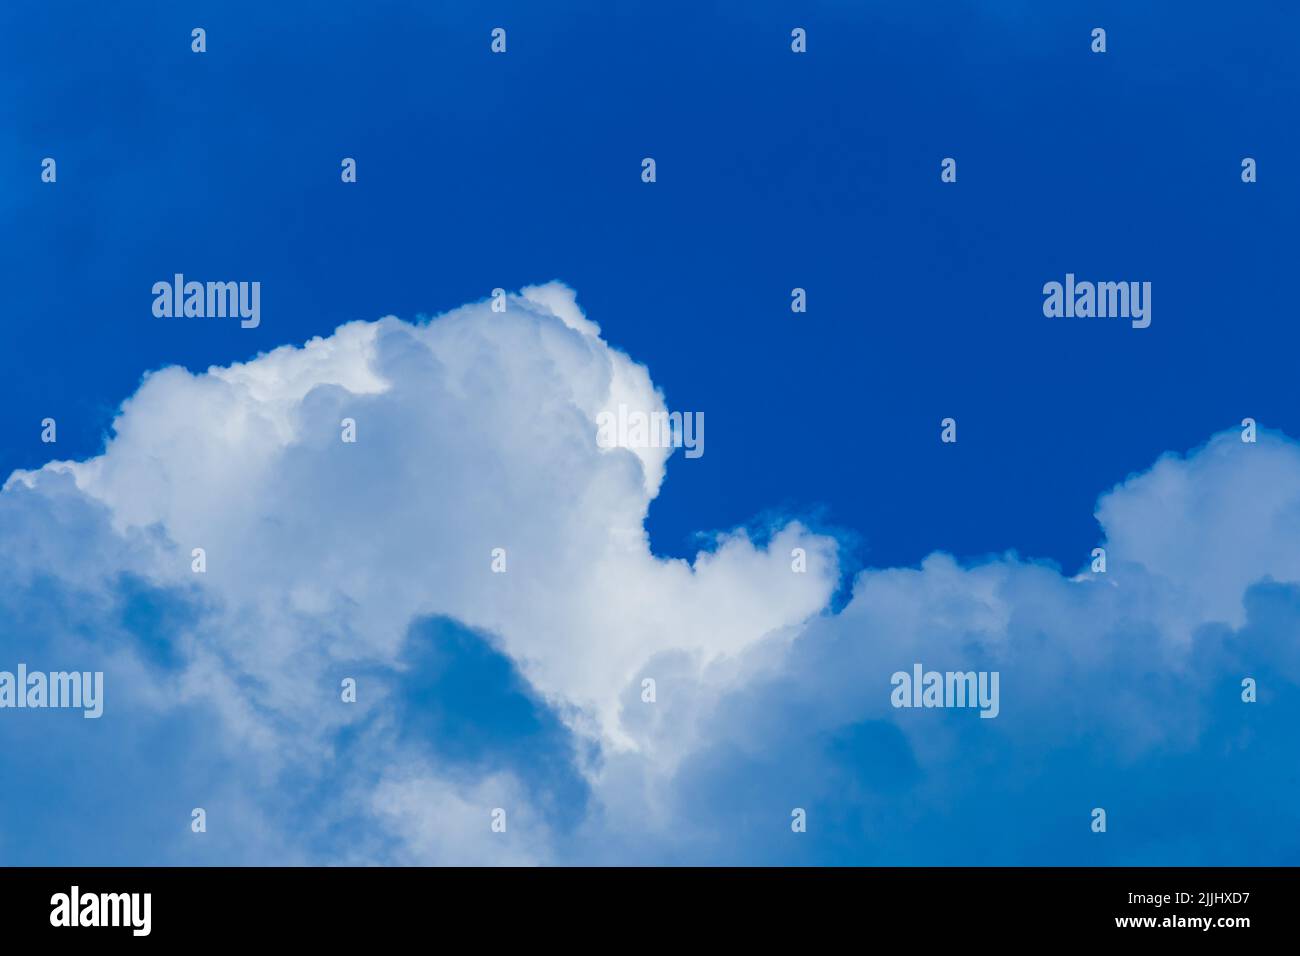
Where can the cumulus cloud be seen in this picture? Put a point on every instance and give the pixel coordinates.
(474, 432)
(522, 690)
(1119, 690)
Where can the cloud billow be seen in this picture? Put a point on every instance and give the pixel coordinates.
(524, 690)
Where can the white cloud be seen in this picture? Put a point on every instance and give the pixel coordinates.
(476, 431)
(433, 819)
(1208, 525)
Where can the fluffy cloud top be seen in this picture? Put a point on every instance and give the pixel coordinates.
(522, 690)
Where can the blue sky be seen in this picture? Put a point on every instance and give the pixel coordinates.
(774, 170)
